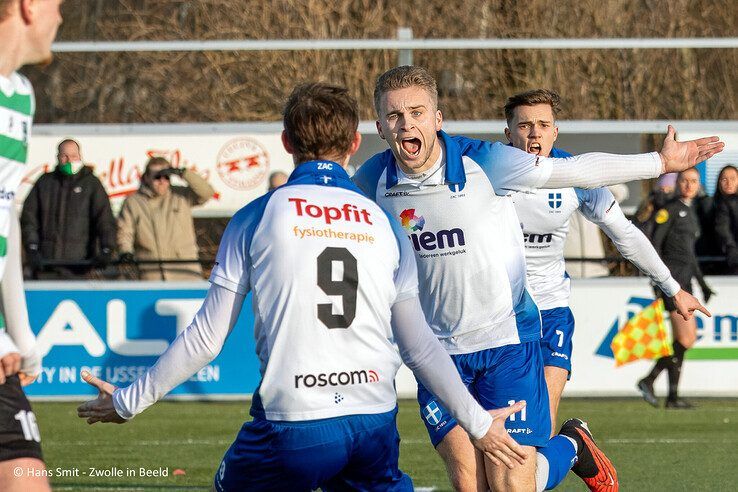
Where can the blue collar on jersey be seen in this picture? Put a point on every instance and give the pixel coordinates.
(555, 153)
(321, 172)
(454, 166)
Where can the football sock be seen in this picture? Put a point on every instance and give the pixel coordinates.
(554, 461)
(675, 369)
(661, 364)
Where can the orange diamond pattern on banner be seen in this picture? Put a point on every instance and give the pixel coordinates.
(643, 336)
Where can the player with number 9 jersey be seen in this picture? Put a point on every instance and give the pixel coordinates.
(324, 264)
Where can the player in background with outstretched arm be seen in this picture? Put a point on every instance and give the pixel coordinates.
(544, 217)
(334, 284)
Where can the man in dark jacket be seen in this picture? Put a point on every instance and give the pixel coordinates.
(67, 217)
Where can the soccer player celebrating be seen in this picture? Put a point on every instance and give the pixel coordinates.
(334, 285)
(544, 216)
(451, 194)
(27, 28)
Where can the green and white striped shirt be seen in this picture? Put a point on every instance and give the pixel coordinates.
(17, 106)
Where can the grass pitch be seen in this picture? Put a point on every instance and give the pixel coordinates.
(653, 450)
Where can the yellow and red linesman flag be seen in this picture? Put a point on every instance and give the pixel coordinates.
(643, 336)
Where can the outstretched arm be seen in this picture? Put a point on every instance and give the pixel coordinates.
(595, 170)
(195, 347)
(600, 207)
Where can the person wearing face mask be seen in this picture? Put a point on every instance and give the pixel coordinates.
(726, 216)
(675, 234)
(156, 223)
(67, 217)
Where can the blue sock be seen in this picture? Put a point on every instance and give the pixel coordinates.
(554, 462)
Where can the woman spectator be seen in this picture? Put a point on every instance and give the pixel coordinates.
(675, 233)
(726, 216)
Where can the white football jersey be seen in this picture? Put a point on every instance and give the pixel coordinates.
(17, 106)
(324, 265)
(544, 217)
(466, 236)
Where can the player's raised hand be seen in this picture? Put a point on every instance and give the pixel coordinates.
(686, 304)
(101, 409)
(497, 444)
(678, 156)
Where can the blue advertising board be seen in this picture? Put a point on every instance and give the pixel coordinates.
(118, 329)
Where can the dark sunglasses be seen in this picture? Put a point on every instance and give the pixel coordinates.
(158, 177)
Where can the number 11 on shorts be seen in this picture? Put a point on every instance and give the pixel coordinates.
(522, 413)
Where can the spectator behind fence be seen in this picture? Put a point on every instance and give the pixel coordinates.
(726, 216)
(67, 217)
(156, 223)
(277, 179)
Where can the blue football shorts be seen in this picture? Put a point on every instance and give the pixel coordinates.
(497, 378)
(354, 452)
(556, 344)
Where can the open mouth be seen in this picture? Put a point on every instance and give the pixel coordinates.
(411, 146)
(534, 148)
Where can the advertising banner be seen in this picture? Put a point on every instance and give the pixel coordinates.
(118, 329)
(602, 306)
(236, 165)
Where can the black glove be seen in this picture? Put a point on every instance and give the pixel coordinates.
(178, 171)
(35, 260)
(732, 257)
(103, 259)
(127, 258)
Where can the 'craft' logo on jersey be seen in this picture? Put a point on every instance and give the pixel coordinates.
(554, 200)
(432, 413)
(410, 221)
(345, 378)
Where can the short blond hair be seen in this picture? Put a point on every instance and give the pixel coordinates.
(402, 78)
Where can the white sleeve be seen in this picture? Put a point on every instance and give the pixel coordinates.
(6, 344)
(600, 207)
(595, 169)
(423, 354)
(13, 301)
(195, 347)
(510, 169)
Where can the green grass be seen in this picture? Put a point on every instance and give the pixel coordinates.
(654, 450)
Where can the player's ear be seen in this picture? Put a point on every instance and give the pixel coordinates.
(287, 145)
(355, 144)
(439, 120)
(26, 11)
(379, 130)
(556, 132)
(508, 134)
